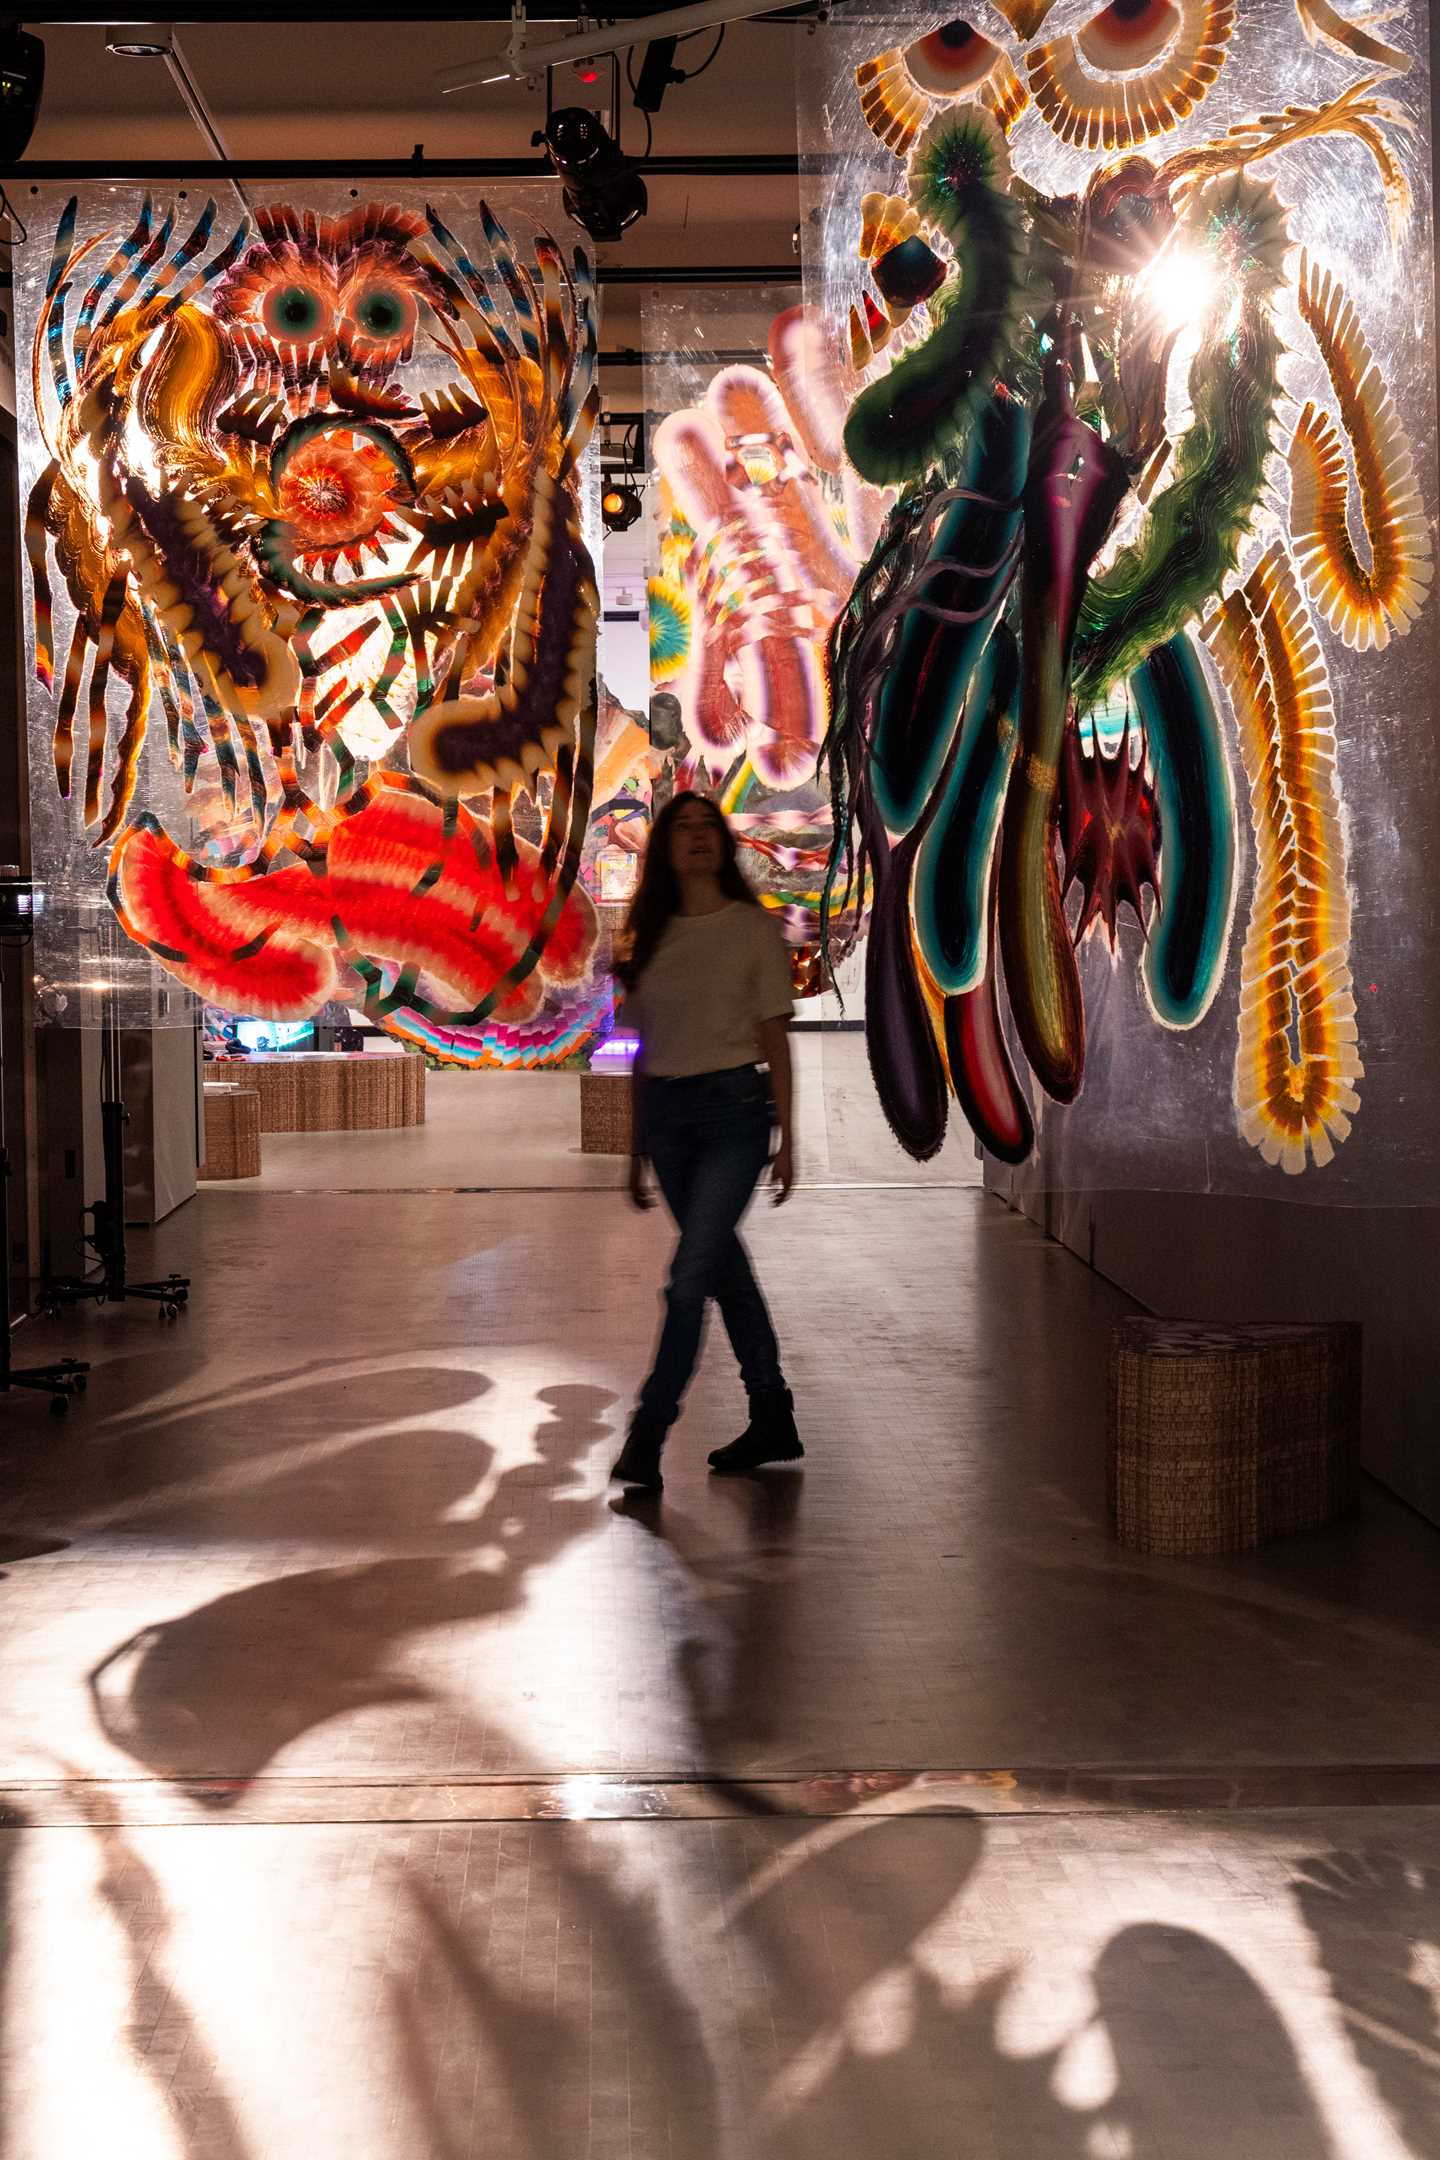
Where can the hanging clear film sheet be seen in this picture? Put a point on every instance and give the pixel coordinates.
(1137, 691)
(311, 534)
(754, 537)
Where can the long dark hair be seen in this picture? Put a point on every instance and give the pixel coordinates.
(658, 895)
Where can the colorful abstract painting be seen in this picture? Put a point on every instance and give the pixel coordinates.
(314, 618)
(1156, 514)
(763, 523)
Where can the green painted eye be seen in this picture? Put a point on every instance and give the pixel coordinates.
(293, 311)
(384, 312)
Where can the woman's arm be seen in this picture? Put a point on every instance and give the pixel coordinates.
(640, 1192)
(775, 1050)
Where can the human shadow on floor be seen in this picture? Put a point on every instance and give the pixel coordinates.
(218, 1693)
(1374, 1919)
(734, 1638)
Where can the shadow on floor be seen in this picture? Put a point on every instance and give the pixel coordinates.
(219, 1692)
(1375, 1921)
(204, 2119)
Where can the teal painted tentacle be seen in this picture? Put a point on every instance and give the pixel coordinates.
(906, 422)
(954, 872)
(946, 609)
(1190, 934)
(844, 754)
(1190, 540)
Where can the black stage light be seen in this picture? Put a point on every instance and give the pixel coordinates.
(22, 78)
(603, 190)
(620, 507)
(657, 72)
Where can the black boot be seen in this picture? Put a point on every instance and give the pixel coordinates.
(638, 1462)
(769, 1437)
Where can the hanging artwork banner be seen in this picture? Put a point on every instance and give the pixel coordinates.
(313, 618)
(1132, 702)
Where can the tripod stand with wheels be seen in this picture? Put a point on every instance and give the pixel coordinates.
(107, 1237)
(66, 1377)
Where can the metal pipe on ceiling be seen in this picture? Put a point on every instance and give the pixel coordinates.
(527, 63)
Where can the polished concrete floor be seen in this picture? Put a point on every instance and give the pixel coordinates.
(375, 1782)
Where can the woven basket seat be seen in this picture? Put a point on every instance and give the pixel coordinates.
(232, 1131)
(1222, 1438)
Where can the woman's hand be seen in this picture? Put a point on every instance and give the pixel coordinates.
(782, 1170)
(640, 1193)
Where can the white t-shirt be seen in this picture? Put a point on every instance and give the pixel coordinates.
(711, 981)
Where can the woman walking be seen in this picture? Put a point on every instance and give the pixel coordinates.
(707, 982)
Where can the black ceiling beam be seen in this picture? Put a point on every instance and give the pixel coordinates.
(478, 12)
(740, 165)
(699, 274)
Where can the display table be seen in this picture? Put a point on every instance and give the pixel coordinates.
(232, 1130)
(1224, 1437)
(335, 1090)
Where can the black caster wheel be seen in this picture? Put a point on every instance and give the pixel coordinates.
(59, 1406)
(81, 1382)
(182, 1297)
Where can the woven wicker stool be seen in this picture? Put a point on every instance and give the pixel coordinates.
(232, 1131)
(338, 1091)
(1224, 1437)
(604, 1113)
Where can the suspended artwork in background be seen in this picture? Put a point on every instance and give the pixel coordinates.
(763, 525)
(309, 523)
(1122, 544)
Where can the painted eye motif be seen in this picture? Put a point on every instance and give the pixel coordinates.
(900, 89)
(1135, 71)
(294, 313)
(383, 312)
(952, 59)
(1129, 34)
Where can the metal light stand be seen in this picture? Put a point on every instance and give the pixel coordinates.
(107, 1239)
(66, 1377)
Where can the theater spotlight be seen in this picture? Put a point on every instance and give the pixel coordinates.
(602, 189)
(620, 507)
(22, 78)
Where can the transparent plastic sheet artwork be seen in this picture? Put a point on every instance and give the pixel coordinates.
(1334, 795)
(311, 526)
(752, 545)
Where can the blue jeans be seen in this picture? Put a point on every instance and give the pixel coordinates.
(708, 1139)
